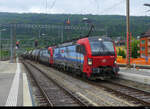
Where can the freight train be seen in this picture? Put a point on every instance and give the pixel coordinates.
(90, 57)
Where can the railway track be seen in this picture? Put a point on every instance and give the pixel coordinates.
(136, 96)
(133, 95)
(54, 94)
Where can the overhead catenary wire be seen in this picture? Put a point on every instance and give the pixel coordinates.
(52, 5)
(97, 5)
(46, 7)
(113, 6)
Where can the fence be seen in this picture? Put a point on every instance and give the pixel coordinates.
(140, 61)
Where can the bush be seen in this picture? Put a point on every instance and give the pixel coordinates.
(121, 53)
(135, 48)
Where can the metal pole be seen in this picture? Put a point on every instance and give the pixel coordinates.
(1, 45)
(62, 34)
(14, 41)
(11, 45)
(106, 32)
(39, 33)
(128, 31)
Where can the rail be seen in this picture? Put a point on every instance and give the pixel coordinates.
(76, 98)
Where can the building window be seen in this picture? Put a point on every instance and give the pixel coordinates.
(143, 42)
(143, 48)
(148, 49)
(143, 55)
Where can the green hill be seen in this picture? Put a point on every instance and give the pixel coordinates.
(114, 25)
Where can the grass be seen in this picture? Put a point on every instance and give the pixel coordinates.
(4, 53)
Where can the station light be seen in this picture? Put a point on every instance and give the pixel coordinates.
(36, 43)
(68, 21)
(17, 44)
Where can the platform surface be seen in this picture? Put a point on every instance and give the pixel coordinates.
(14, 87)
(137, 75)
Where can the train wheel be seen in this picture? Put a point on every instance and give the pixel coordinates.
(84, 76)
(114, 77)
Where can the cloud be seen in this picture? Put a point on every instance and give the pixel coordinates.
(101, 7)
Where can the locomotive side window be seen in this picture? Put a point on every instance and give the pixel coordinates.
(83, 51)
(80, 49)
(49, 52)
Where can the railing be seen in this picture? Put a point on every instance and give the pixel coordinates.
(139, 61)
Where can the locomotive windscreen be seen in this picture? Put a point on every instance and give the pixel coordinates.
(101, 47)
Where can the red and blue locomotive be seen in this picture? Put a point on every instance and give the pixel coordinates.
(92, 57)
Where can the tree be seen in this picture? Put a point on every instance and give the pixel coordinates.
(121, 53)
(135, 48)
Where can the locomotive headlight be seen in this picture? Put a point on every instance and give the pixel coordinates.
(99, 39)
(115, 62)
(90, 62)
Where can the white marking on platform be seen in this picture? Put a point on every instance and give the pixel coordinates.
(13, 94)
(26, 93)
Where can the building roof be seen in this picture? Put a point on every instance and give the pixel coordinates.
(146, 34)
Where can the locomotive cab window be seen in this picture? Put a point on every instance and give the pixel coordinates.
(99, 47)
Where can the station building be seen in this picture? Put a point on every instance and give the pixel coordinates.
(145, 45)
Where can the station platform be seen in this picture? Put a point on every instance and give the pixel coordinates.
(14, 86)
(137, 75)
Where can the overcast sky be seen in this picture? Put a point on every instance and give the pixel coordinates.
(100, 7)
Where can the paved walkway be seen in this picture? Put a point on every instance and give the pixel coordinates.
(14, 85)
(145, 72)
(141, 75)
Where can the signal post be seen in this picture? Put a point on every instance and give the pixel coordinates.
(128, 32)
